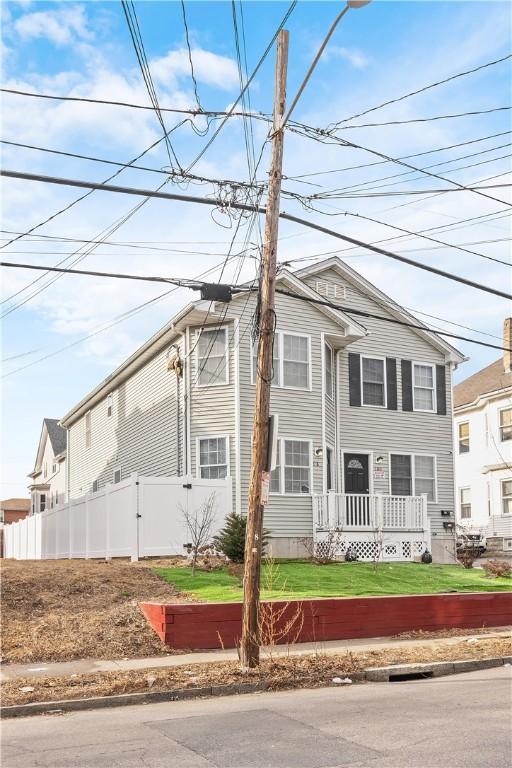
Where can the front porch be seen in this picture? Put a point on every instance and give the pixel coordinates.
(373, 526)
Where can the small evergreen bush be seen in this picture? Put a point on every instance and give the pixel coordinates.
(231, 539)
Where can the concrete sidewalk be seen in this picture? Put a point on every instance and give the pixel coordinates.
(88, 666)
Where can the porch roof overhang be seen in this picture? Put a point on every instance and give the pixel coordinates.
(39, 487)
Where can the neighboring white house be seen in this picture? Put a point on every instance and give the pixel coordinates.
(483, 449)
(364, 407)
(48, 478)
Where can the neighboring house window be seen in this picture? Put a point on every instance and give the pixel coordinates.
(88, 429)
(465, 503)
(464, 437)
(329, 377)
(423, 387)
(506, 495)
(413, 475)
(295, 361)
(95, 486)
(56, 499)
(110, 404)
(54, 468)
(506, 424)
(42, 502)
(213, 457)
(293, 473)
(212, 357)
(373, 377)
(117, 475)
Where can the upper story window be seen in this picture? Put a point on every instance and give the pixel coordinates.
(329, 373)
(117, 475)
(95, 486)
(45, 470)
(423, 387)
(293, 473)
(88, 429)
(506, 424)
(373, 381)
(213, 457)
(291, 361)
(464, 437)
(54, 468)
(110, 404)
(212, 357)
(506, 496)
(465, 503)
(413, 475)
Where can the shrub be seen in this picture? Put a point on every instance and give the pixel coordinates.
(497, 569)
(231, 539)
(467, 554)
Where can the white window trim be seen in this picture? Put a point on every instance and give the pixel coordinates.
(282, 468)
(459, 502)
(505, 480)
(88, 430)
(279, 337)
(369, 405)
(413, 471)
(370, 467)
(199, 334)
(459, 425)
(212, 437)
(330, 394)
(119, 469)
(434, 388)
(500, 410)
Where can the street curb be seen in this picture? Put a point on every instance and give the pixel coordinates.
(373, 674)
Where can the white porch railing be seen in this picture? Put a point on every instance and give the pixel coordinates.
(360, 512)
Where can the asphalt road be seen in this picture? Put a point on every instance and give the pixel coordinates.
(462, 720)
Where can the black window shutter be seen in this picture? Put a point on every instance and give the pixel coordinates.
(354, 378)
(441, 389)
(406, 366)
(391, 383)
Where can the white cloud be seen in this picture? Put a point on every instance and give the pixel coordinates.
(356, 58)
(61, 26)
(210, 68)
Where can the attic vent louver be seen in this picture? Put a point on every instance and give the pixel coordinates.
(330, 290)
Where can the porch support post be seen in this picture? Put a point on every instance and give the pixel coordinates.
(331, 510)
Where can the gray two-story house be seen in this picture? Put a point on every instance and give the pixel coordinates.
(364, 409)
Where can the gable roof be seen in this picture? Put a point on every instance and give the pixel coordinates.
(347, 273)
(57, 435)
(492, 378)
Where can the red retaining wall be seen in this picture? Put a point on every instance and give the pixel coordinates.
(218, 625)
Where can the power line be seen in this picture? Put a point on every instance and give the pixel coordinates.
(245, 207)
(425, 88)
(362, 313)
(424, 119)
(192, 73)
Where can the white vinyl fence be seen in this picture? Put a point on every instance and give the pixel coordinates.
(138, 517)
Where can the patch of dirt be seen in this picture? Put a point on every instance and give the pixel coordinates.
(57, 610)
(280, 672)
(420, 634)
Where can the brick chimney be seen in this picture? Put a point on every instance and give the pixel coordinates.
(507, 342)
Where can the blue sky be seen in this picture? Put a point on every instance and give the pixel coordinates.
(378, 52)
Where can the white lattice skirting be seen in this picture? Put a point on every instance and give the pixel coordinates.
(370, 546)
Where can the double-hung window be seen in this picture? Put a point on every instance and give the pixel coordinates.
(213, 457)
(329, 374)
(290, 361)
(373, 381)
(505, 424)
(464, 437)
(413, 475)
(506, 496)
(465, 503)
(295, 361)
(423, 387)
(88, 429)
(293, 473)
(42, 502)
(212, 356)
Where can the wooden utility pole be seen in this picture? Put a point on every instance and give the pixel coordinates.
(250, 646)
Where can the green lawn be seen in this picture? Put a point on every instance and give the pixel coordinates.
(298, 579)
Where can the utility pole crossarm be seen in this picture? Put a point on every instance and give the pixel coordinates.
(250, 644)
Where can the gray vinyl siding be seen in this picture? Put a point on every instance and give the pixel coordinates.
(140, 436)
(299, 411)
(212, 408)
(385, 431)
